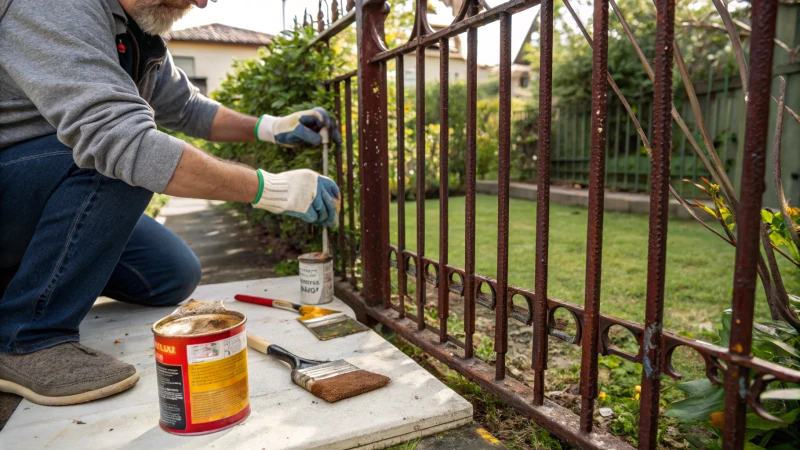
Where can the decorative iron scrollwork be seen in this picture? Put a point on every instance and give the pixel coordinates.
(487, 299)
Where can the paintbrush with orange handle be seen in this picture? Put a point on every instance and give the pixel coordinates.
(329, 380)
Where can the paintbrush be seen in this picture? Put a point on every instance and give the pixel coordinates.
(324, 323)
(329, 380)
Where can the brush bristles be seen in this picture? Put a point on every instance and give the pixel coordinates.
(338, 380)
(347, 385)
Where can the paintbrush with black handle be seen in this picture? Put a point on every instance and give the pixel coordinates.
(329, 380)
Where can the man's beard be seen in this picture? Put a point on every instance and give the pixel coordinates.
(155, 17)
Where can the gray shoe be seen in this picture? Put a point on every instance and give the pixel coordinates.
(65, 374)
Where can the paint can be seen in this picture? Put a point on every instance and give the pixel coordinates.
(201, 368)
(316, 278)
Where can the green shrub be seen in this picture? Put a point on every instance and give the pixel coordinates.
(287, 76)
(775, 342)
(156, 203)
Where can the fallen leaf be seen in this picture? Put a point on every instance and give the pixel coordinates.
(718, 419)
(117, 341)
(79, 422)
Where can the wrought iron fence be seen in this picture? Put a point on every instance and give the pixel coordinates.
(743, 376)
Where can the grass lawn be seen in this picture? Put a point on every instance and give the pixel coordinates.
(699, 264)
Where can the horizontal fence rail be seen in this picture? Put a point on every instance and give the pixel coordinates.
(365, 258)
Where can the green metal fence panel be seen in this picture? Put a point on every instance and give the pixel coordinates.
(628, 165)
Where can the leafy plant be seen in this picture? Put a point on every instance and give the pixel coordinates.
(779, 233)
(287, 76)
(156, 203)
(288, 267)
(703, 406)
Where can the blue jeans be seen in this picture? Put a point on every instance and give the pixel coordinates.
(68, 235)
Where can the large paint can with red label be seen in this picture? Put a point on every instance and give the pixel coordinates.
(201, 368)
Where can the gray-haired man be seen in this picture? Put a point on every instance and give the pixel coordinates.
(83, 84)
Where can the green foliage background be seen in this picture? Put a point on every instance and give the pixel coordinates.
(285, 77)
(699, 32)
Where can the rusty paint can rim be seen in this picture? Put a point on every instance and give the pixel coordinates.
(315, 258)
(161, 323)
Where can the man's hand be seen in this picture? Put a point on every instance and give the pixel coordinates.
(299, 193)
(297, 128)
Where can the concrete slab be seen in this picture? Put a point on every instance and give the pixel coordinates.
(283, 416)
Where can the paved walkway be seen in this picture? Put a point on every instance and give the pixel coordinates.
(227, 250)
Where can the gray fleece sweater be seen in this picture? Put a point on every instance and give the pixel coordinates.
(60, 73)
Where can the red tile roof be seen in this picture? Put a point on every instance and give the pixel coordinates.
(219, 33)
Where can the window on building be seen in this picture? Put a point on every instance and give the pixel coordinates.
(185, 63)
(200, 82)
(524, 80)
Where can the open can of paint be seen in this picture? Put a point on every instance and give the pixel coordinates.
(201, 368)
(316, 278)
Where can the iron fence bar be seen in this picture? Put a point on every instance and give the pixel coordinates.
(539, 356)
(748, 249)
(344, 76)
(470, 163)
(503, 180)
(443, 307)
(594, 241)
(335, 28)
(402, 280)
(373, 154)
(342, 257)
(652, 349)
(348, 107)
(422, 291)
(471, 22)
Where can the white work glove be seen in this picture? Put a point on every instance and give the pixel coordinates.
(297, 128)
(299, 193)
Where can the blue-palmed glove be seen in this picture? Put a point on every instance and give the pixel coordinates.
(300, 128)
(299, 193)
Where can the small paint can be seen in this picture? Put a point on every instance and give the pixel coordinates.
(201, 368)
(316, 278)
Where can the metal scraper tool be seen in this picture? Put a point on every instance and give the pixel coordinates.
(326, 324)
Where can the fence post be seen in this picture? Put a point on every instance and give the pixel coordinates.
(373, 147)
(748, 249)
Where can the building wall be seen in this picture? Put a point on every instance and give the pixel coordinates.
(520, 85)
(212, 61)
(457, 70)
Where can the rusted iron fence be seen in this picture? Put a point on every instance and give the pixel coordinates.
(743, 376)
